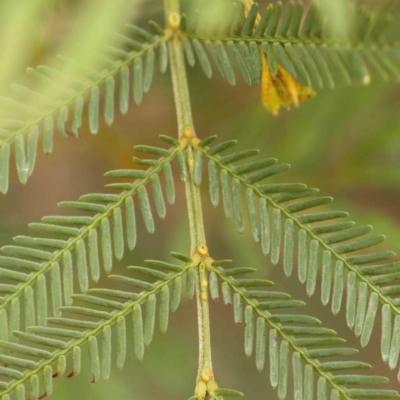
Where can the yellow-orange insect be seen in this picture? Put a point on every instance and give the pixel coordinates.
(279, 90)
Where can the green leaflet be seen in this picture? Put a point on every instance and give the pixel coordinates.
(188, 50)
(362, 299)
(326, 277)
(253, 218)
(395, 344)
(386, 332)
(226, 193)
(235, 51)
(351, 299)
(130, 223)
(76, 360)
(149, 321)
(164, 309)
(265, 227)
(68, 278)
(118, 234)
(302, 255)
(260, 343)
(48, 380)
(276, 236)
(145, 209)
(14, 318)
(288, 247)
(94, 261)
(137, 74)
(21, 392)
(284, 365)
(61, 366)
(32, 144)
(121, 342)
(250, 21)
(298, 64)
(34, 386)
(213, 183)
(81, 263)
(124, 90)
(106, 353)
(20, 157)
(169, 183)
(226, 293)
(109, 101)
(198, 168)
(94, 101)
(237, 309)
(61, 120)
(94, 358)
(274, 358)
(106, 246)
(203, 58)
(211, 47)
(48, 131)
(148, 70)
(29, 307)
(224, 62)
(338, 286)
(249, 331)
(163, 56)
(213, 284)
(158, 196)
(308, 390)
(56, 293)
(297, 376)
(237, 204)
(248, 59)
(312, 267)
(321, 389)
(182, 165)
(41, 300)
(176, 294)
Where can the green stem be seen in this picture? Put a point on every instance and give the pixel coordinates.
(180, 86)
(197, 235)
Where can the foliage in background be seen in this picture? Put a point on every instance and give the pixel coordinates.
(107, 207)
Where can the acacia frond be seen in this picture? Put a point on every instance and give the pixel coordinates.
(77, 243)
(297, 39)
(31, 114)
(292, 333)
(43, 357)
(336, 250)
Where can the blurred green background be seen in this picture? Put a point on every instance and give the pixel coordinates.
(345, 141)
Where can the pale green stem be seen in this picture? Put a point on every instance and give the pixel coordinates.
(185, 124)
